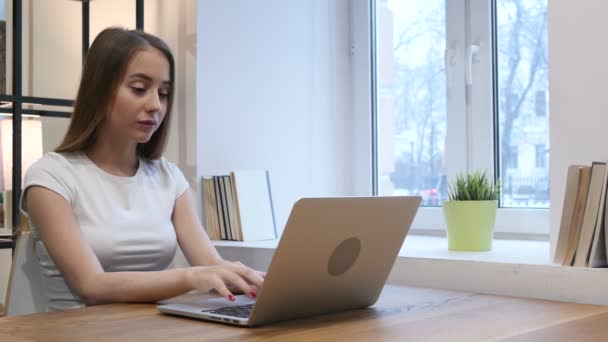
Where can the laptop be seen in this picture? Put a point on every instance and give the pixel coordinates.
(335, 254)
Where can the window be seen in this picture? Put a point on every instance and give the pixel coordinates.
(540, 156)
(541, 103)
(512, 157)
(462, 85)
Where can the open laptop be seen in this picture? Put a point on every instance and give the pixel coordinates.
(335, 254)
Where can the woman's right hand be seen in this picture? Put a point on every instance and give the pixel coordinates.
(221, 277)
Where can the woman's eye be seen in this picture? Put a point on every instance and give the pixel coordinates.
(138, 90)
(163, 95)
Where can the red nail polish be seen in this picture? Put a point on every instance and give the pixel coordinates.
(231, 298)
(253, 294)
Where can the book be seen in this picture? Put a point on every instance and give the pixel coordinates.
(570, 211)
(254, 207)
(220, 208)
(597, 256)
(224, 203)
(231, 208)
(210, 209)
(576, 216)
(597, 185)
(242, 203)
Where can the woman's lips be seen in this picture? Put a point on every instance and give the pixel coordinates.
(147, 124)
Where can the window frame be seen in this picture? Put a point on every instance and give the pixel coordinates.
(472, 141)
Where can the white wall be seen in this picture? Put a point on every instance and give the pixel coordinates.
(273, 93)
(578, 70)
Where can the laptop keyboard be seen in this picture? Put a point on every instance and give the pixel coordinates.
(236, 311)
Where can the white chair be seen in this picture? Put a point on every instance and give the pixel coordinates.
(25, 293)
(6, 260)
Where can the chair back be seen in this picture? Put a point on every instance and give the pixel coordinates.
(25, 293)
(6, 260)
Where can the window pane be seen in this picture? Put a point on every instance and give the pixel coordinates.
(523, 107)
(541, 156)
(411, 94)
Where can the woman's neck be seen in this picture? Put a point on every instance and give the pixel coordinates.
(114, 158)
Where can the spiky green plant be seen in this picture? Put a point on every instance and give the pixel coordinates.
(474, 186)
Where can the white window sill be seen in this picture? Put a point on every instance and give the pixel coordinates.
(513, 268)
(432, 247)
(503, 251)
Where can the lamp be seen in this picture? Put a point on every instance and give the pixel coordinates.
(31, 146)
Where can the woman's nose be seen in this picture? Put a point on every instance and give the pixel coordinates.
(153, 104)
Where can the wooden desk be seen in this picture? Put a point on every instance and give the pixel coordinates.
(401, 314)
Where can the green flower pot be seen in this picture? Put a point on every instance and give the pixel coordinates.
(470, 224)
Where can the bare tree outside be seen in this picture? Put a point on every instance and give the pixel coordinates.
(419, 93)
(523, 98)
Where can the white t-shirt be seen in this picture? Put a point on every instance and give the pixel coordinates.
(125, 220)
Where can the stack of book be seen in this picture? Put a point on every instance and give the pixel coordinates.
(582, 238)
(238, 206)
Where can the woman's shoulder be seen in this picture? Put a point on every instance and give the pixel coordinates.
(55, 171)
(55, 161)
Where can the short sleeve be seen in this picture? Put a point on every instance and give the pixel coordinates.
(49, 172)
(180, 180)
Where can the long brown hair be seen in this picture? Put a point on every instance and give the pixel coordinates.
(103, 71)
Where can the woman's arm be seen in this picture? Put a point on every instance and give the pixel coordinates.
(191, 235)
(60, 233)
(195, 243)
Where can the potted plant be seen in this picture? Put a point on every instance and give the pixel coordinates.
(470, 212)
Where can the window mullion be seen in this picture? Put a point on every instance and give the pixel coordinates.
(478, 65)
(456, 140)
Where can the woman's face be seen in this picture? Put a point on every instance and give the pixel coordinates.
(141, 100)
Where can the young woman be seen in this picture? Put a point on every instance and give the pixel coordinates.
(107, 210)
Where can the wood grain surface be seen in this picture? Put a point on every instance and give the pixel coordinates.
(401, 314)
